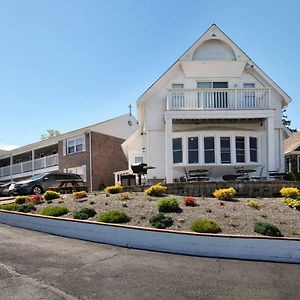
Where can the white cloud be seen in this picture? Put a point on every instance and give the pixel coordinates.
(7, 147)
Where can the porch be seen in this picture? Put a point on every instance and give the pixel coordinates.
(28, 163)
(218, 99)
(221, 143)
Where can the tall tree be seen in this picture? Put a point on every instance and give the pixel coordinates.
(287, 122)
(51, 133)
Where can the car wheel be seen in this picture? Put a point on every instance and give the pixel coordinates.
(36, 190)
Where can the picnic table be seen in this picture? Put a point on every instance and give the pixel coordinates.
(69, 186)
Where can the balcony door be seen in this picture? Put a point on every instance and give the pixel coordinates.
(211, 99)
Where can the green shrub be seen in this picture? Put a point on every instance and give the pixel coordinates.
(293, 203)
(21, 199)
(10, 206)
(114, 216)
(205, 226)
(26, 208)
(225, 194)
(85, 213)
(54, 211)
(50, 195)
(290, 176)
(168, 205)
(289, 192)
(156, 190)
(113, 189)
(161, 221)
(266, 229)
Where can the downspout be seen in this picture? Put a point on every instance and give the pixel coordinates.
(90, 152)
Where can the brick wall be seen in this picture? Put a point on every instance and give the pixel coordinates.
(107, 157)
(76, 159)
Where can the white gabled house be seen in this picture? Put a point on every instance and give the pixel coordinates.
(213, 109)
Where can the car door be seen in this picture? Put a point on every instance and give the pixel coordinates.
(49, 181)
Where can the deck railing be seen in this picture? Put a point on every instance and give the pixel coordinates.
(27, 166)
(217, 99)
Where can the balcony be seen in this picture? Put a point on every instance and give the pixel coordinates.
(218, 99)
(26, 167)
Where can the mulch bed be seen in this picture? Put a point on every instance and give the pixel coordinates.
(234, 217)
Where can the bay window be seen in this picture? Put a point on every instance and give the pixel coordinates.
(193, 152)
(177, 150)
(209, 150)
(225, 150)
(253, 149)
(240, 149)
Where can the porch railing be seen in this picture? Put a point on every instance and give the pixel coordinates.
(217, 99)
(27, 166)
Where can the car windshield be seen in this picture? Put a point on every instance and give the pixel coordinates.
(37, 176)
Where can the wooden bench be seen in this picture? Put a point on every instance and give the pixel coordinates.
(68, 186)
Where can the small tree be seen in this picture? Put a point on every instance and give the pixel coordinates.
(51, 133)
(287, 122)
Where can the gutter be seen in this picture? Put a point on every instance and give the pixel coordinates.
(90, 154)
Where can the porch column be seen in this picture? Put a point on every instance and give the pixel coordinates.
(168, 150)
(32, 160)
(271, 144)
(11, 161)
(282, 157)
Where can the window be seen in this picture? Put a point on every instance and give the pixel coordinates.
(177, 150)
(75, 145)
(178, 95)
(81, 171)
(225, 150)
(249, 95)
(193, 156)
(218, 99)
(253, 149)
(240, 149)
(138, 159)
(209, 150)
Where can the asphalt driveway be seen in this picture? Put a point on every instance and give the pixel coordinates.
(41, 266)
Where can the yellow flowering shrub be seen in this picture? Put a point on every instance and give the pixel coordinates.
(225, 194)
(113, 189)
(289, 192)
(156, 190)
(291, 203)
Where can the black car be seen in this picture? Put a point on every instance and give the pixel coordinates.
(39, 183)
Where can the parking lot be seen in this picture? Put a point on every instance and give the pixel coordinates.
(41, 266)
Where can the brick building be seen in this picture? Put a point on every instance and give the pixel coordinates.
(94, 152)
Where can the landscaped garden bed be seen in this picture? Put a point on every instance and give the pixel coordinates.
(229, 214)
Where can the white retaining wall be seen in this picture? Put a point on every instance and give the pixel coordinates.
(225, 246)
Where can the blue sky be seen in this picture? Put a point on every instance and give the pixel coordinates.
(67, 64)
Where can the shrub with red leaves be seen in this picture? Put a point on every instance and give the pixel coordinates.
(189, 201)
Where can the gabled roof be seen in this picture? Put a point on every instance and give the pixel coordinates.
(291, 143)
(214, 32)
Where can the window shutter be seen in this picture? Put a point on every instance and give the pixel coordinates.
(64, 147)
(83, 142)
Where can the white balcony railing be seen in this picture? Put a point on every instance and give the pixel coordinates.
(27, 166)
(217, 99)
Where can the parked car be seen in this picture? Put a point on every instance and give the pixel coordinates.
(4, 189)
(39, 183)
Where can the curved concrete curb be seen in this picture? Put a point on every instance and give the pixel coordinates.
(210, 245)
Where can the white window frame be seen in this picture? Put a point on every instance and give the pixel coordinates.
(77, 170)
(76, 144)
(137, 157)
